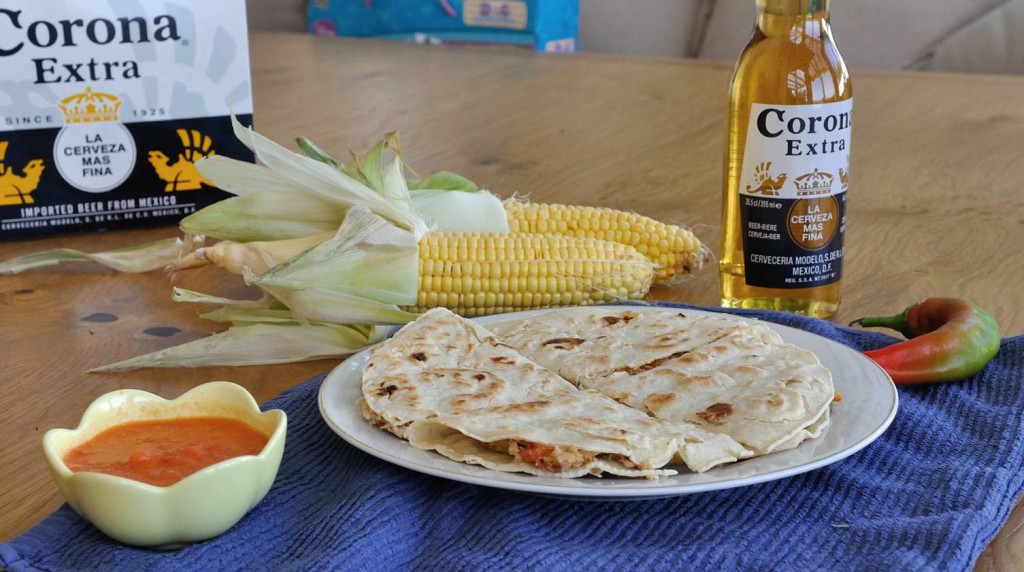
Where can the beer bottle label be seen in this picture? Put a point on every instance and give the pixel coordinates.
(796, 166)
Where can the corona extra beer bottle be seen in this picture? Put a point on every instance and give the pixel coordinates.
(787, 164)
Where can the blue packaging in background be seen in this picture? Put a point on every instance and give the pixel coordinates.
(543, 25)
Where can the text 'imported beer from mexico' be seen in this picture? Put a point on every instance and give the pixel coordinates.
(106, 105)
(787, 164)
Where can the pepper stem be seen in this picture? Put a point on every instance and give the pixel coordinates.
(897, 322)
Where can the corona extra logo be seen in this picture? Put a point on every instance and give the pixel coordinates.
(90, 107)
(93, 152)
(17, 189)
(816, 183)
(182, 175)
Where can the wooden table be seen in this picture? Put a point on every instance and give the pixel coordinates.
(935, 207)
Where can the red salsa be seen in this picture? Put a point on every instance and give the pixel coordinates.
(161, 452)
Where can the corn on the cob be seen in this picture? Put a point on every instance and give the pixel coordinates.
(673, 249)
(475, 274)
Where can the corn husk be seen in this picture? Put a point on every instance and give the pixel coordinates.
(134, 259)
(368, 257)
(319, 305)
(306, 175)
(361, 275)
(454, 211)
(445, 181)
(265, 216)
(193, 297)
(259, 257)
(259, 344)
(266, 309)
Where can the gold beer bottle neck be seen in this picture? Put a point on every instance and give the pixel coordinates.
(794, 7)
(793, 18)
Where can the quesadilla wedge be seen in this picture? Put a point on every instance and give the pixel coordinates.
(579, 343)
(447, 384)
(442, 363)
(570, 436)
(726, 375)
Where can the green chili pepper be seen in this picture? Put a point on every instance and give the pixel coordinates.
(949, 340)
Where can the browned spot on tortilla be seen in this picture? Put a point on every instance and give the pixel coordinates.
(715, 414)
(527, 407)
(686, 355)
(621, 397)
(387, 389)
(660, 400)
(419, 356)
(744, 370)
(625, 318)
(503, 359)
(719, 349)
(649, 365)
(792, 382)
(693, 358)
(688, 381)
(479, 377)
(495, 342)
(564, 343)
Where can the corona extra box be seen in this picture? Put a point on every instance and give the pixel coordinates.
(105, 106)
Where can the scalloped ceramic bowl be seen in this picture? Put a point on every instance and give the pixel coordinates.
(198, 507)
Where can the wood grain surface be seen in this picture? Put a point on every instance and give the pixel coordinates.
(935, 205)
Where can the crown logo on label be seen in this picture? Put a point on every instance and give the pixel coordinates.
(816, 183)
(90, 107)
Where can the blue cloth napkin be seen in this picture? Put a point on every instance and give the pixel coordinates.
(928, 495)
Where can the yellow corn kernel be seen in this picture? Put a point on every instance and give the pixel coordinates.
(674, 250)
(496, 272)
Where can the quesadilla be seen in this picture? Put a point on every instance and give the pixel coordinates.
(726, 375)
(447, 384)
(442, 364)
(571, 435)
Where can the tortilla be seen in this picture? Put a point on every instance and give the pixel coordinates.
(579, 343)
(726, 375)
(570, 436)
(447, 384)
(442, 364)
(578, 433)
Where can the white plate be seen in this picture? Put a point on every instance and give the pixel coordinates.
(866, 410)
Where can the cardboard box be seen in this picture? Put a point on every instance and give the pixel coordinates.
(104, 112)
(544, 25)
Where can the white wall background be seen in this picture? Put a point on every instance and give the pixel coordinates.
(641, 27)
(901, 34)
(953, 35)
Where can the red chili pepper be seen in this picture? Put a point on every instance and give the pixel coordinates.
(949, 340)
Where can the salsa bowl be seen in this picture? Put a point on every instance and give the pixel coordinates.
(198, 507)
